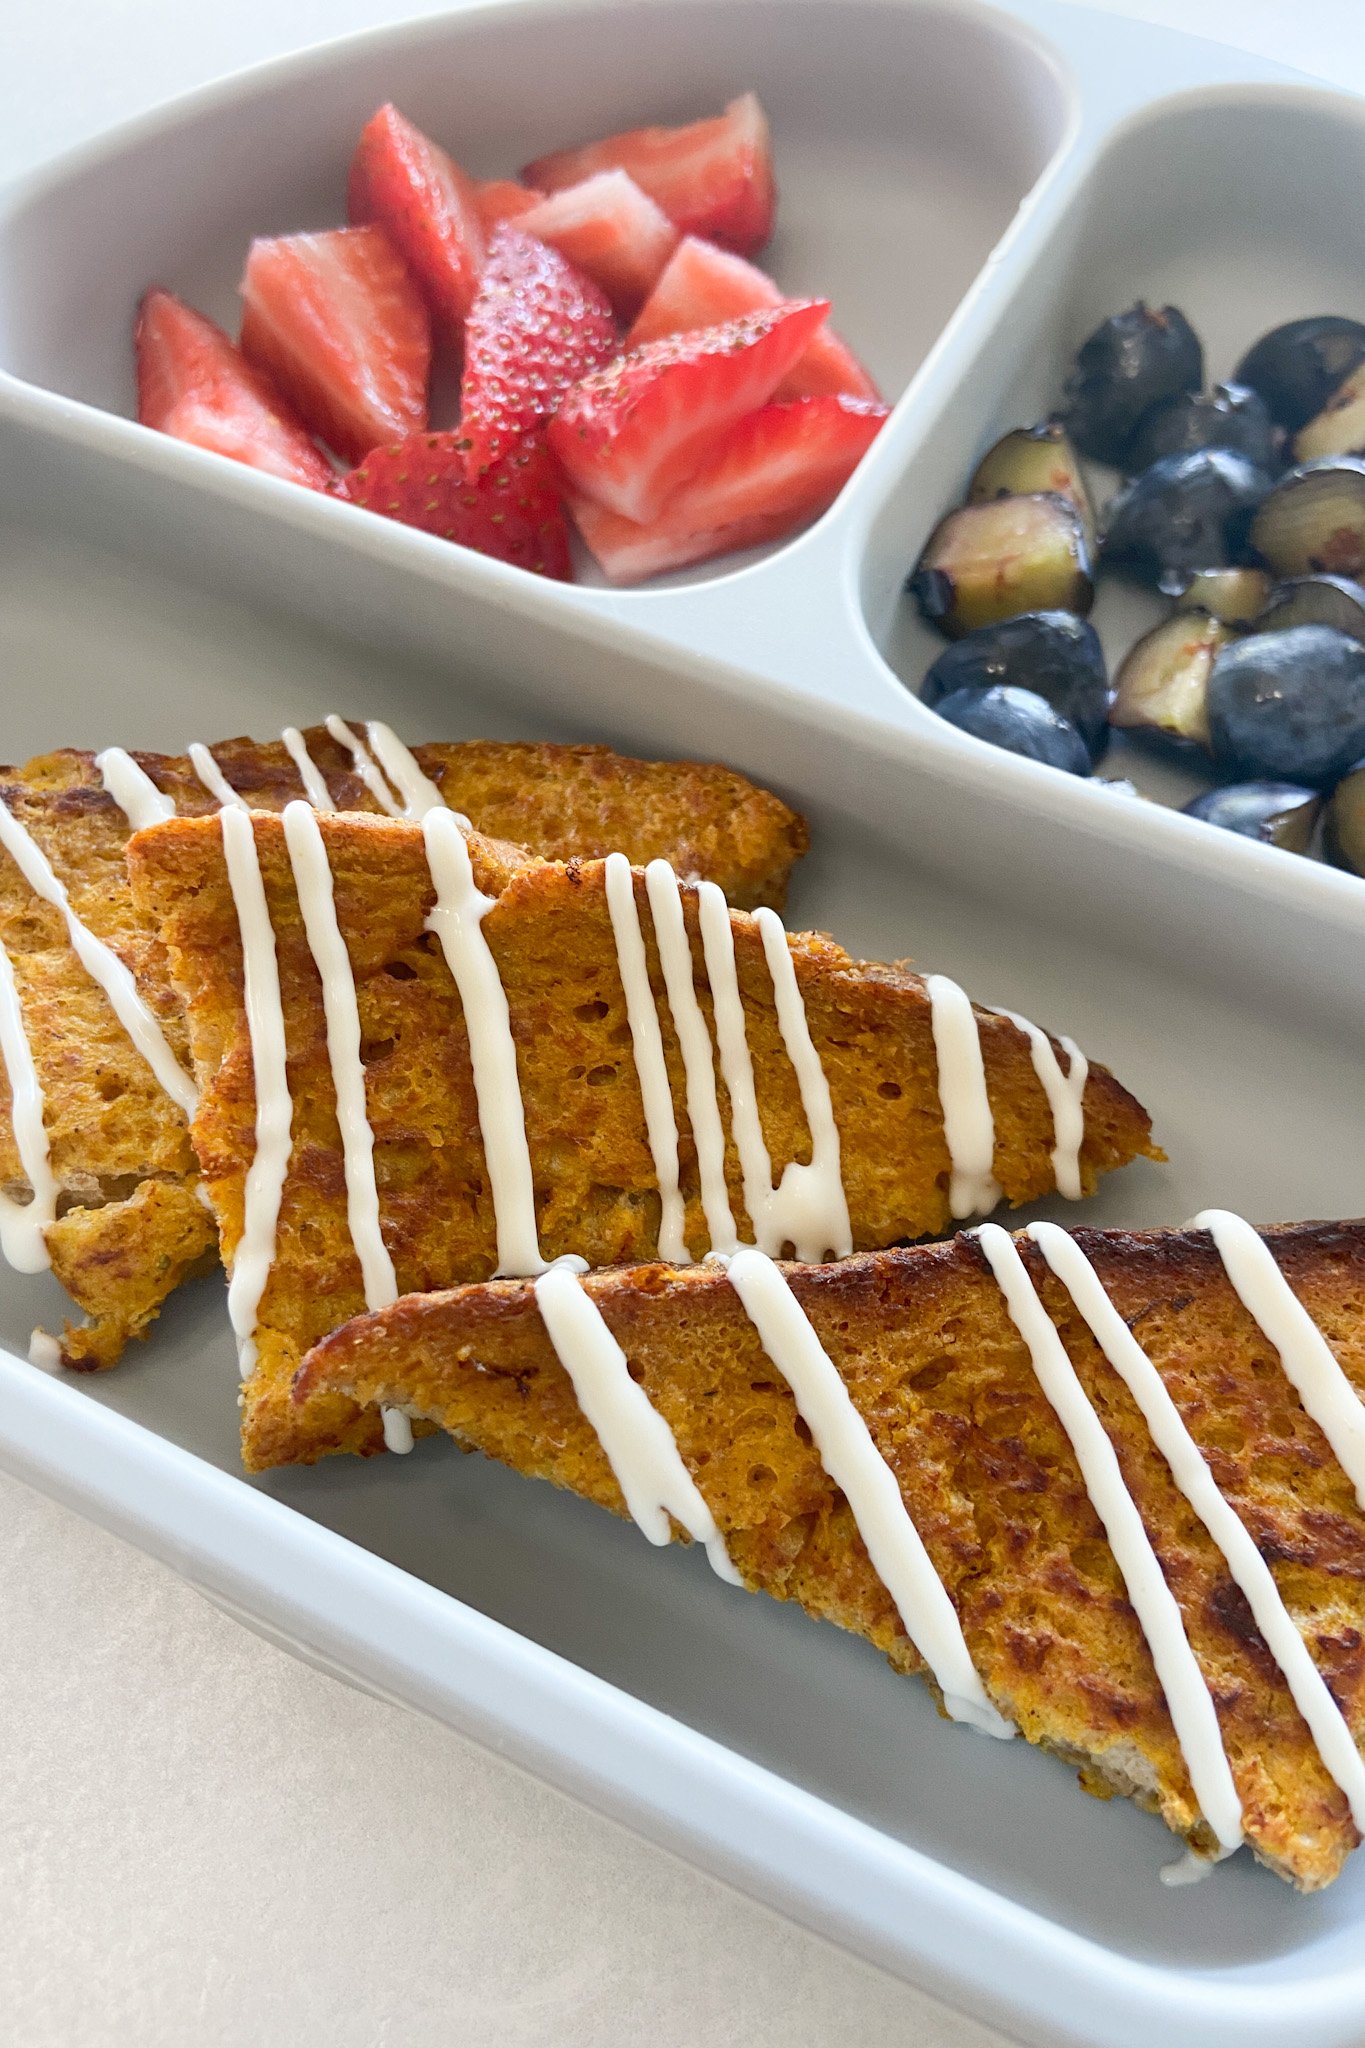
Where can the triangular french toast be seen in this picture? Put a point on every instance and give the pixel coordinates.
(572, 1083)
(128, 1223)
(941, 1368)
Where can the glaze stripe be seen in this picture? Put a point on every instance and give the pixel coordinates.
(457, 920)
(968, 1124)
(637, 1442)
(694, 1039)
(1190, 1471)
(363, 764)
(132, 789)
(310, 775)
(1065, 1094)
(213, 778)
(255, 1254)
(100, 962)
(418, 792)
(23, 1224)
(1308, 1362)
(647, 1040)
(851, 1458)
(1188, 1699)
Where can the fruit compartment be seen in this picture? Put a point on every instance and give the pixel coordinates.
(902, 156)
(1235, 204)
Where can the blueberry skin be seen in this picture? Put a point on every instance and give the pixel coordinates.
(1054, 654)
(1127, 364)
(1230, 416)
(1289, 706)
(1020, 721)
(1297, 367)
(1185, 512)
(1275, 813)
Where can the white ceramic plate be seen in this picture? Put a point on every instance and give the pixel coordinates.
(150, 594)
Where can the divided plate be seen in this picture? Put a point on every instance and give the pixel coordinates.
(976, 189)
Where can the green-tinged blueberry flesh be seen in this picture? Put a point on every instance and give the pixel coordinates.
(1031, 460)
(1275, 813)
(1130, 362)
(1185, 512)
(1020, 721)
(1297, 367)
(987, 562)
(1163, 681)
(1054, 654)
(1313, 522)
(1344, 836)
(1315, 601)
(1289, 706)
(1230, 416)
(1236, 596)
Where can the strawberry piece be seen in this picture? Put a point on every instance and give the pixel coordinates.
(426, 205)
(704, 284)
(512, 512)
(339, 324)
(610, 229)
(500, 199)
(711, 178)
(536, 327)
(194, 383)
(779, 467)
(630, 434)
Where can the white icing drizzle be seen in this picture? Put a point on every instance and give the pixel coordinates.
(1065, 1094)
(132, 789)
(808, 1209)
(23, 1225)
(364, 765)
(44, 1351)
(457, 920)
(647, 1040)
(1191, 1868)
(699, 1068)
(310, 775)
(397, 1431)
(1188, 1698)
(399, 763)
(1308, 1362)
(274, 1106)
(213, 778)
(639, 1445)
(851, 1458)
(317, 904)
(1190, 1471)
(968, 1125)
(100, 962)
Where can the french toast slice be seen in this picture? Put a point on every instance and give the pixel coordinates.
(130, 1224)
(926, 1348)
(596, 1188)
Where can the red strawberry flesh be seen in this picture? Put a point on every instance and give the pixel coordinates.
(426, 204)
(629, 435)
(195, 384)
(711, 178)
(512, 512)
(339, 324)
(610, 229)
(704, 284)
(536, 327)
(500, 199)
(780, 466)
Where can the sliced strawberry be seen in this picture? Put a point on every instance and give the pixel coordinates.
(338, 322)
(704, 284)
(194, 383)
(500, 199)
(426, 205)
(610, 229)
(780, 466)
(536, 327)
(630, 434)
(512, 512)
(711, 178)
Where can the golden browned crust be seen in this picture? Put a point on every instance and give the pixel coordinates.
(551, 935)
(929, 1354)
(121, 1248)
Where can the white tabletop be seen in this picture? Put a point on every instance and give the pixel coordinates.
(206, 1843)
